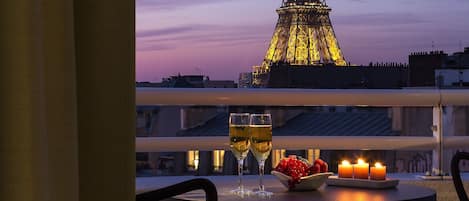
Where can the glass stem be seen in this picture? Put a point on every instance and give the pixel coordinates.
(240, 174)
(261, 174)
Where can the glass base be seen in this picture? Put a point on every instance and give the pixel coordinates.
(241, 192)
(263, 194)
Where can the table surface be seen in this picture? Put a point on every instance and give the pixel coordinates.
(226, 183)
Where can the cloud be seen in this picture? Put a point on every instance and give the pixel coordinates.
(379, 19)
(202, 36)
(161, 32)
(172, 30)
(153, 47)
(172, 4)
(214, 37)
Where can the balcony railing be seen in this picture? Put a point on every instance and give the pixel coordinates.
(436, 98)
(170, 144)
(302, 97)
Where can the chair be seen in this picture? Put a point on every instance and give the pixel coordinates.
(457, 176)
(181, 188)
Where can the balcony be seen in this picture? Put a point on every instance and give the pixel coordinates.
(438, 143)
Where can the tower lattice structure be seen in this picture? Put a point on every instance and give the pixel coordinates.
(303, 36)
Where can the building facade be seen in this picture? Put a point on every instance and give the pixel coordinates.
(245, 80)
(422, 66)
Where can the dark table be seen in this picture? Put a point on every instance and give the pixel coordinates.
(325, 193)
(402, 192)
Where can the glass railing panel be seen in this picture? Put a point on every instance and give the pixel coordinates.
(336, 122)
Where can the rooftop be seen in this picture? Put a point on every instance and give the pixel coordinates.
(373, 123)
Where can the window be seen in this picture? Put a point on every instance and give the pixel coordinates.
(313, 154)
(218, 160)
(277, 155)
(193, 160)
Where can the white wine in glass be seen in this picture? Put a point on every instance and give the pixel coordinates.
(260, 128)
(239, 140)
(261, 141)
(239, 145)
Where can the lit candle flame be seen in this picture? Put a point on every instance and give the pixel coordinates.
(345, 162)
(378, 165)
(361, 161)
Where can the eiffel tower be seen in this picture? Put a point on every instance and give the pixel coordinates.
(303, 36)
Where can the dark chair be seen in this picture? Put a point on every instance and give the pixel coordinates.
(457, 175)
(181, 188)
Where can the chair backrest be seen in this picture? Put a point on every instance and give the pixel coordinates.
(457, 175)
(181, 188)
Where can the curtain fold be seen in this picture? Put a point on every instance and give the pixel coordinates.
(67, 100)
(105, 52)
(39, 152)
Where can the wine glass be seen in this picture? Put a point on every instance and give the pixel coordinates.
(260, 126)
(239, 145)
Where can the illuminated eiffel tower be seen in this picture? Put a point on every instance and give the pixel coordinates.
(303, 36)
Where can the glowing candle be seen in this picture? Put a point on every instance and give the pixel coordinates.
(378, 172)
(345, 169)
(361, 169)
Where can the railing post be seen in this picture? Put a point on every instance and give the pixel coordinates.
(437, 128)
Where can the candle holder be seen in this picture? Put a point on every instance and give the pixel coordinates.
(362, 176)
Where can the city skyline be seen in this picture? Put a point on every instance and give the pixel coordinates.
(225, 37)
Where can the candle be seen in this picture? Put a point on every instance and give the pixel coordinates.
(361, 169)
(378, 172)
(345, 169)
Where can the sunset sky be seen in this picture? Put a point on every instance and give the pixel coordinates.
(221, 38)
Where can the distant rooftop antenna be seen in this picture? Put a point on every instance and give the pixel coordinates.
(433, 45)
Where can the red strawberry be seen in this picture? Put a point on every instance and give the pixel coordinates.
(315, 169)
(318, 161)
(324, 167)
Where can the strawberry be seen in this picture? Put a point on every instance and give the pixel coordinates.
(314, 169)
(324, 167)
(322, 164)
(319, 161)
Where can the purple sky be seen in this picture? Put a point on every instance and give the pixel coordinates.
(221, 38)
